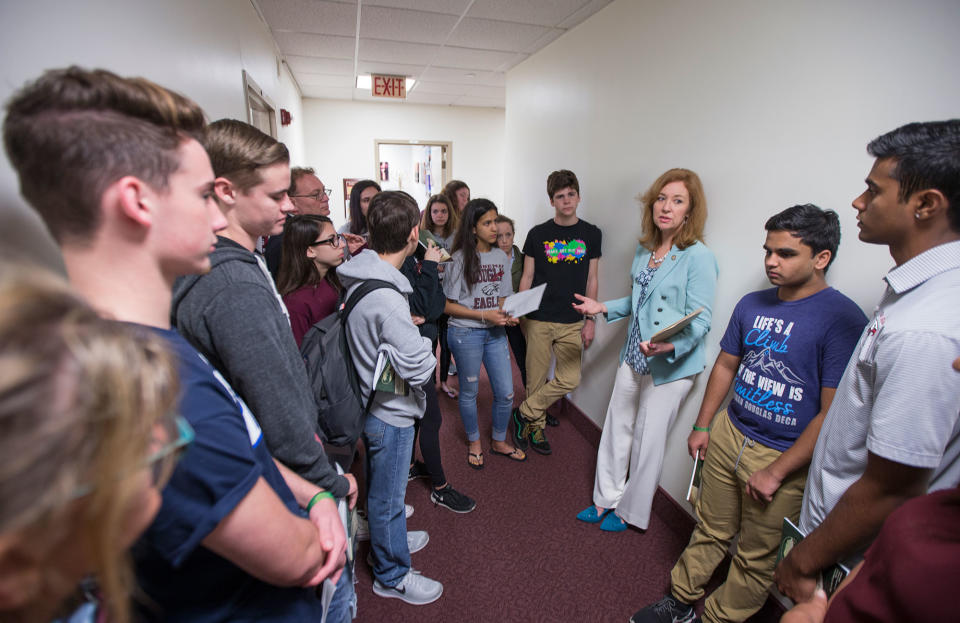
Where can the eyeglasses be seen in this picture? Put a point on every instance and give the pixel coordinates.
(333, 241)
(315, 195)
(161, 462)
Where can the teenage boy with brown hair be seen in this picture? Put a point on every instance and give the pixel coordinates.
(564, 252)
(115, 168)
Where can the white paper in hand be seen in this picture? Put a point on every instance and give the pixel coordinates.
(522, 303)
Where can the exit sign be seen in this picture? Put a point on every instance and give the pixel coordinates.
(389, 86)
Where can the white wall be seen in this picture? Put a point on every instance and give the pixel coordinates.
(339, 137)
(772, 103)
(197, 48)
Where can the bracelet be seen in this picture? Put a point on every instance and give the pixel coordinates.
(702, 429)
(592, 317)
(322, 495)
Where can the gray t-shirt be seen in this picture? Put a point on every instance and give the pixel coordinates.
(493, 282)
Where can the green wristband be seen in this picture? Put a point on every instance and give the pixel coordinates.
(702, 429)
(323, 495)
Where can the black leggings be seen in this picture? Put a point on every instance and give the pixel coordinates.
(518, 344)
(428, 430)
(444, 348)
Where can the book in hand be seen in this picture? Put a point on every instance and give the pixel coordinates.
(666, 333)
(425, 239)
(693, 491)
(387, 379)
(829, 578)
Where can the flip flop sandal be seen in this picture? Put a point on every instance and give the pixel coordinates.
(478, 456)
(512, 455)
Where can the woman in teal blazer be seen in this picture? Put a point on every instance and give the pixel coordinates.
(673, 274)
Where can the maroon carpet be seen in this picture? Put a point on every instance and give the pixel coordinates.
(522, 555)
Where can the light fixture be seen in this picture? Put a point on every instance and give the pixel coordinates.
(365, 82)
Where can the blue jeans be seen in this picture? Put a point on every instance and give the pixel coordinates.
(472, 347)
(343, 606)
(388, 465)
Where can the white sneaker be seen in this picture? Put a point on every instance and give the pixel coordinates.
(416, 541)
(363, 528)
(414, 589)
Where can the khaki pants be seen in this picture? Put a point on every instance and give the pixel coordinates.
(544, 340)
(724, 509)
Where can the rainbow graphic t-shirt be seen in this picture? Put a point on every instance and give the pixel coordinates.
(561, 257)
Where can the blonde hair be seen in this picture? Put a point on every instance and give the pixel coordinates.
(80, 397)
(692, 229)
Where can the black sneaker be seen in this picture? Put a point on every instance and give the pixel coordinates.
(452, 499)
(418, 470)
(552, 421)
(538, 441)
(667, 610)
(520, 430)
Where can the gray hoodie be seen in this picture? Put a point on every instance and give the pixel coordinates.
(381, 322)
(232, 315)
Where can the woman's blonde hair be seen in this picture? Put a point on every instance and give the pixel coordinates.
(80, 400)
(691, 230)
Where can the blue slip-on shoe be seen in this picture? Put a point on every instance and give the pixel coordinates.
(590, 514)
(613, 523)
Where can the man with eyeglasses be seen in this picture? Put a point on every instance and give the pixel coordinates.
(308, 196)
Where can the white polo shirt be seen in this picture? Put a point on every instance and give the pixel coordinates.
(899, 397)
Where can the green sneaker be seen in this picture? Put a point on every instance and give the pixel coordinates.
(520, 431)
(538, 440)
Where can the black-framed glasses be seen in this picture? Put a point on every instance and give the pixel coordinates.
(315, 195)
(333, 241)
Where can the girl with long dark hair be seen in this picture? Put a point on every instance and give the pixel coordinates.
(307, 280)
(360, 196)
(476, 284)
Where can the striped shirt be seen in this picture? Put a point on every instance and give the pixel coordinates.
(899, 398)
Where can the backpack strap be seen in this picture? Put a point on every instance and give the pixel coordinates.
(351, 301)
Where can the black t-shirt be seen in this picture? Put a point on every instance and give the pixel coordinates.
(561, 256)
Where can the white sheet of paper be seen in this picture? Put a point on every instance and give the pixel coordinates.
(523, 303)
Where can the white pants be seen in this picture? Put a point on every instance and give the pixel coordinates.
(633, 442)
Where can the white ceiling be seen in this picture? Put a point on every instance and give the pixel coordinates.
(459, 51)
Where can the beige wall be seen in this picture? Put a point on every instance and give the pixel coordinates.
(772, 103)
(197, 48)
(340, 134)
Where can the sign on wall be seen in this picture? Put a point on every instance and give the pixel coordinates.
(389, 86)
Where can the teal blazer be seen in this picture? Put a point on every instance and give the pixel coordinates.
(685, 281)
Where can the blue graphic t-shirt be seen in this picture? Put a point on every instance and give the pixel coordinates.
(184, 580)
(788, 351)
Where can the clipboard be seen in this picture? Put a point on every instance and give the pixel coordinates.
(665, 334)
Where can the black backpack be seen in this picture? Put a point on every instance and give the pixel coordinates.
(333, 377)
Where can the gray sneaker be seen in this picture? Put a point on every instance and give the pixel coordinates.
(407, 511)
(414, 588)
(416, 541)
(363, 528)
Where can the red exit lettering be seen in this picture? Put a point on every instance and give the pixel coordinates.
(389, 86)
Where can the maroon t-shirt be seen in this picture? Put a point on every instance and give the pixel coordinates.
(309, 305)
(912, 571)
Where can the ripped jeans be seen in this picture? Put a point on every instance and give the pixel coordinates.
(488, 346)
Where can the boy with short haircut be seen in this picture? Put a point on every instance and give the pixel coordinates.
(784, 352)
(564, 252)
(132, 209)
(381, 326)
